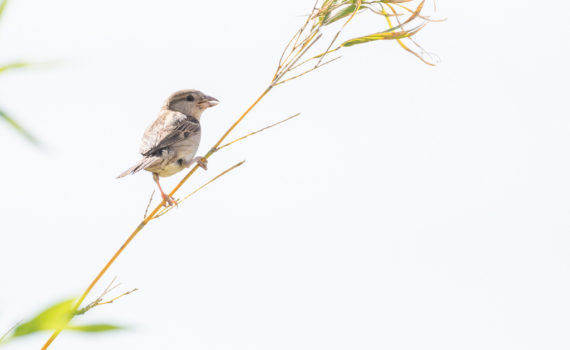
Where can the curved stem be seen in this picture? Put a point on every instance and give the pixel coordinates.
(150, 217)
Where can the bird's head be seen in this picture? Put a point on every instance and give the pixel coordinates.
(190, 102)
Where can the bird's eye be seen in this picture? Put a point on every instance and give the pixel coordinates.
(189, 98)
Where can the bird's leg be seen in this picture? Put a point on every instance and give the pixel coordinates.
(169, 201)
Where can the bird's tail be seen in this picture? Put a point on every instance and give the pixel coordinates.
(141, 165)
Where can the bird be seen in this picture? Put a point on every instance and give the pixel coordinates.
(169, 144)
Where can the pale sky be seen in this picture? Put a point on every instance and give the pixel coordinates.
(409, 207)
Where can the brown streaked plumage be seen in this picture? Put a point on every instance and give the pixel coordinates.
(171, 141)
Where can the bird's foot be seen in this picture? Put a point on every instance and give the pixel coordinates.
(202, 162)
(169, 201)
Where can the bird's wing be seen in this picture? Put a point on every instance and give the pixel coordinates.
(169, 128)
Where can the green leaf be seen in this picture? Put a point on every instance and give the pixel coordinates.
(14, 65)
(386, 35)
(94, 328)
(19, 128)
(374, 37)
(344, 12)
(3, 6)
(326, 9)
(339, 14)
(54, 317)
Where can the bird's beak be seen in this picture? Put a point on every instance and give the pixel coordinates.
(208, 102)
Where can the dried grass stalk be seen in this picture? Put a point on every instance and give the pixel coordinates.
(300, 57)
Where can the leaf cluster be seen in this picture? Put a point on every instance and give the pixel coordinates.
(54, 317)
(402, 23)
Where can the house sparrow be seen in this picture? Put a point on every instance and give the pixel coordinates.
(171, 141)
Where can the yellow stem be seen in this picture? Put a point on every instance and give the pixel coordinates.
(150, 217)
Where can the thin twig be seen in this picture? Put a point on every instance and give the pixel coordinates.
(314, 58)
(110, 286)
(167, 209)
(257, 131)
(164, 210)
(99, 301)
(307, 71)
(281, 60)
(148, 205)
(95, 302)
(119, 296)
(294, 38)
(321, 56)
(304, 49)
(309, 18)
(359, 3)
(294, 55)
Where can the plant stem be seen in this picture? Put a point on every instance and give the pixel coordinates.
(297, 47)
(152, 215)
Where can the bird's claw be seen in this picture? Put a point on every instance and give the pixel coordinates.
(202, 163)
(169, 201)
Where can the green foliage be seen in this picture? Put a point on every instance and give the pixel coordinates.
(14, 66)
(95, 328)
(3, 6)
(396, 14)
(57, 316)
(389, 34)
(18, 127)
(333, 16)
(4, 68)
(54, 317)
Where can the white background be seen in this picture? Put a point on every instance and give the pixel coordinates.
(409, 207)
